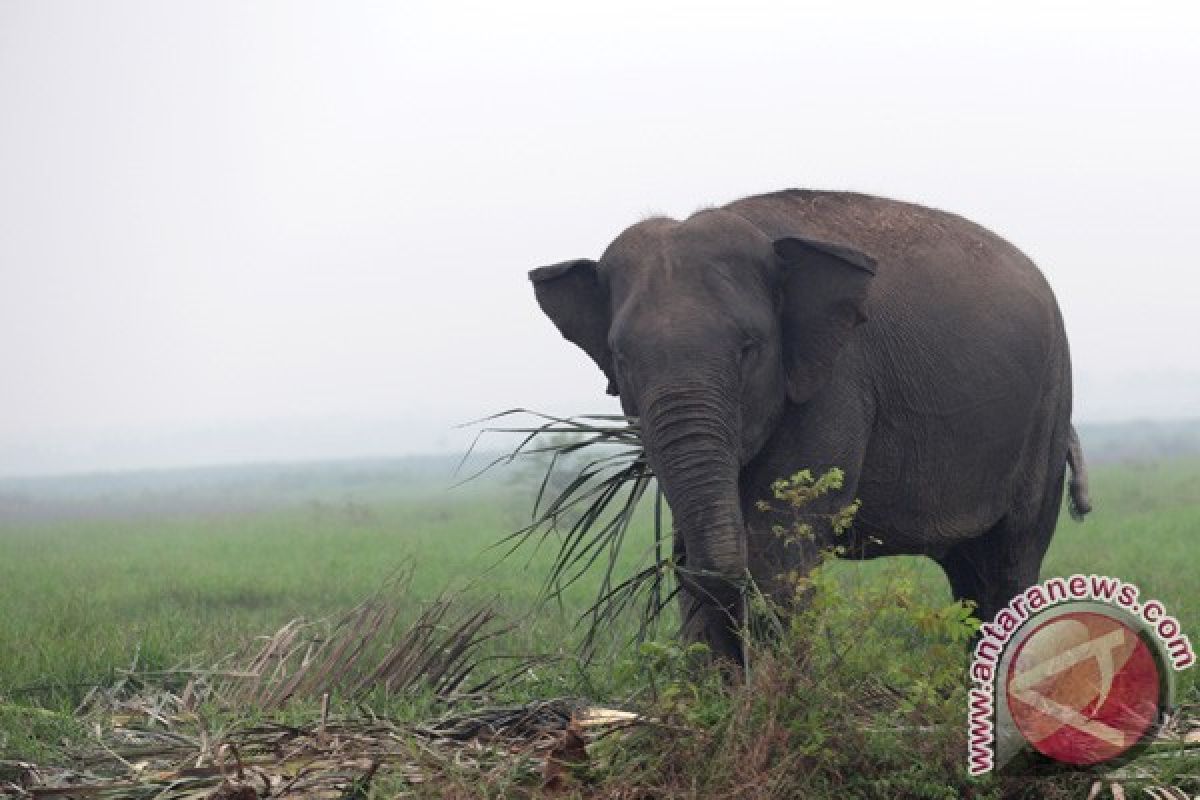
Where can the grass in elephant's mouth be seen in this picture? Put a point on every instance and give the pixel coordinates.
(594, 475)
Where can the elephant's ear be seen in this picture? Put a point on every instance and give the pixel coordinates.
(824, 290)
(574, 299)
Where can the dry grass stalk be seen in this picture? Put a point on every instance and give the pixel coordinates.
(331, 758)
(366, 650)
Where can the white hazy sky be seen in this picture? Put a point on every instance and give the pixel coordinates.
(238, 231)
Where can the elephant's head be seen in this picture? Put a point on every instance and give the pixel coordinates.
(705, 328)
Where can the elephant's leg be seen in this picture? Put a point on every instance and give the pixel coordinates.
(983, 571)
(992, 569)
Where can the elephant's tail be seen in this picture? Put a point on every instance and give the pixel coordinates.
(1077, 490)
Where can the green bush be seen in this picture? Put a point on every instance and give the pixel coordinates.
(862, 695)
(859, 692)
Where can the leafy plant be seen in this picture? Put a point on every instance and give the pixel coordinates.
(860, 690)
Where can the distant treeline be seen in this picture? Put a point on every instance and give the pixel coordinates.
(1139, 441)
(218, 490)
(357, 484)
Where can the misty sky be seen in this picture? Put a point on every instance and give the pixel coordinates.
(242, 231)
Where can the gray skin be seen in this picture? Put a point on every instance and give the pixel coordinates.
(915, 350)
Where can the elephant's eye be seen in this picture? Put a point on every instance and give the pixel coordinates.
(620, 371)
(619, 362)
(747, 366)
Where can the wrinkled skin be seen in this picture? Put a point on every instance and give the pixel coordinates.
(920, 353)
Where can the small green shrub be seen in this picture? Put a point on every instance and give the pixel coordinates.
(860, 691)
(863, 695)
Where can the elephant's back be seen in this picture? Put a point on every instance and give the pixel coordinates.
(896, 233)
(964, 272)
(963, 344)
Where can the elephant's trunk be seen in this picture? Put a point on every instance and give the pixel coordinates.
(692, 439)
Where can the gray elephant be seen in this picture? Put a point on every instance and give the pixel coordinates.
(917, 351)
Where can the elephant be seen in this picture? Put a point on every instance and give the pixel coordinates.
(915, 350)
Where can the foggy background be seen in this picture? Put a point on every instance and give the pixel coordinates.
(236, 232)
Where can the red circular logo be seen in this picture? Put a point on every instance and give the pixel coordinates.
(1083, 688)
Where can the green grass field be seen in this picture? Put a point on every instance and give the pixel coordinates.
(80, 596)
(95, 573)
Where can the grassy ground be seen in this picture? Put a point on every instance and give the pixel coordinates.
(79, 596)
(82, 592)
